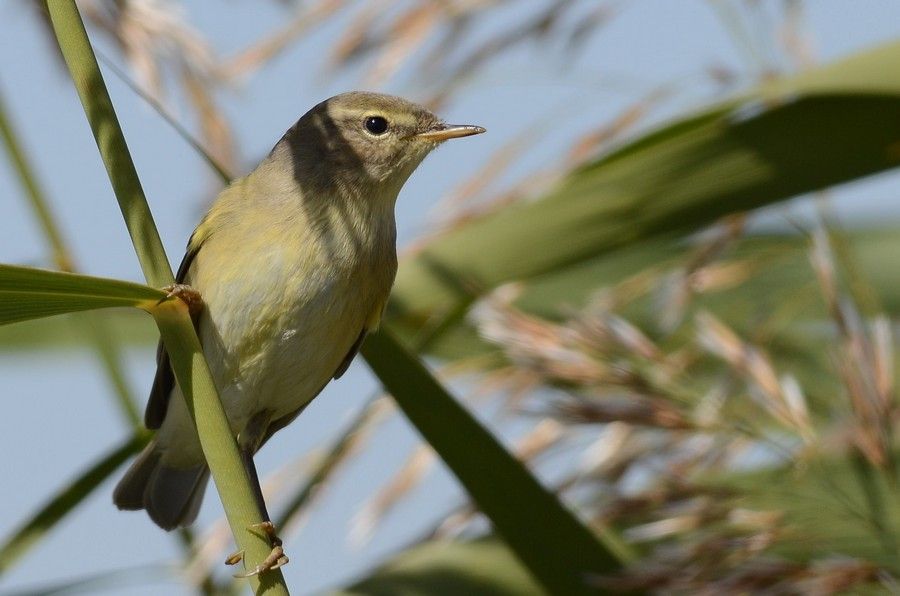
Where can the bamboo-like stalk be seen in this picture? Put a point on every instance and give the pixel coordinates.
(172, 316)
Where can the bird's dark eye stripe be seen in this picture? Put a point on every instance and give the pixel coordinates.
(376, 125)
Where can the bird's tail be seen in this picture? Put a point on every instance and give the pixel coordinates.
(171, 496)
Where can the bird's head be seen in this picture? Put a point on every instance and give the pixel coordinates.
(367, 139)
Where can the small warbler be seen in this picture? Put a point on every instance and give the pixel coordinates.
(294, 264)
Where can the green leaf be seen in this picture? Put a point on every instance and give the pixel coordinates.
(482, 567)
(27, 293)
(73, 494)
(544, 534)
(798, 135)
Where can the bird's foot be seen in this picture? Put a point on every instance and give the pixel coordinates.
(276, 558)
(186, 294)
(267, 528)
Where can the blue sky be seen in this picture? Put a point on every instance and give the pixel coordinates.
(57, 414)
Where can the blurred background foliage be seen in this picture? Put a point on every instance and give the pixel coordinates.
(712, 385)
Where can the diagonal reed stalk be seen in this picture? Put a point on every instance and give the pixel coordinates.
(556, 547)
(172, 317)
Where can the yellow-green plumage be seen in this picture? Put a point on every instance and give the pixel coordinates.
(294, 264)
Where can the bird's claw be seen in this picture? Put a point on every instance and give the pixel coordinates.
(267, 528)
(186, 294)
(276, 558)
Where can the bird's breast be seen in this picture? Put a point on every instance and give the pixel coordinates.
(281, 316)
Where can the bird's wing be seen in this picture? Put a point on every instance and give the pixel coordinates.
(164, 382)
(351, 354)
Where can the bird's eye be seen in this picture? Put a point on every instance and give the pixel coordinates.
(376, 125)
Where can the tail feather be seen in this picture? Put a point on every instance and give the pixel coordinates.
(171, 496)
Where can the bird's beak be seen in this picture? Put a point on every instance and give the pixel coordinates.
(442, 132)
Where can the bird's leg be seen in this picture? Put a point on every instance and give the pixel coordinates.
(186, 294)
(276, 558)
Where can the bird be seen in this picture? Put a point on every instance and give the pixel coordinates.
(291, 267)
